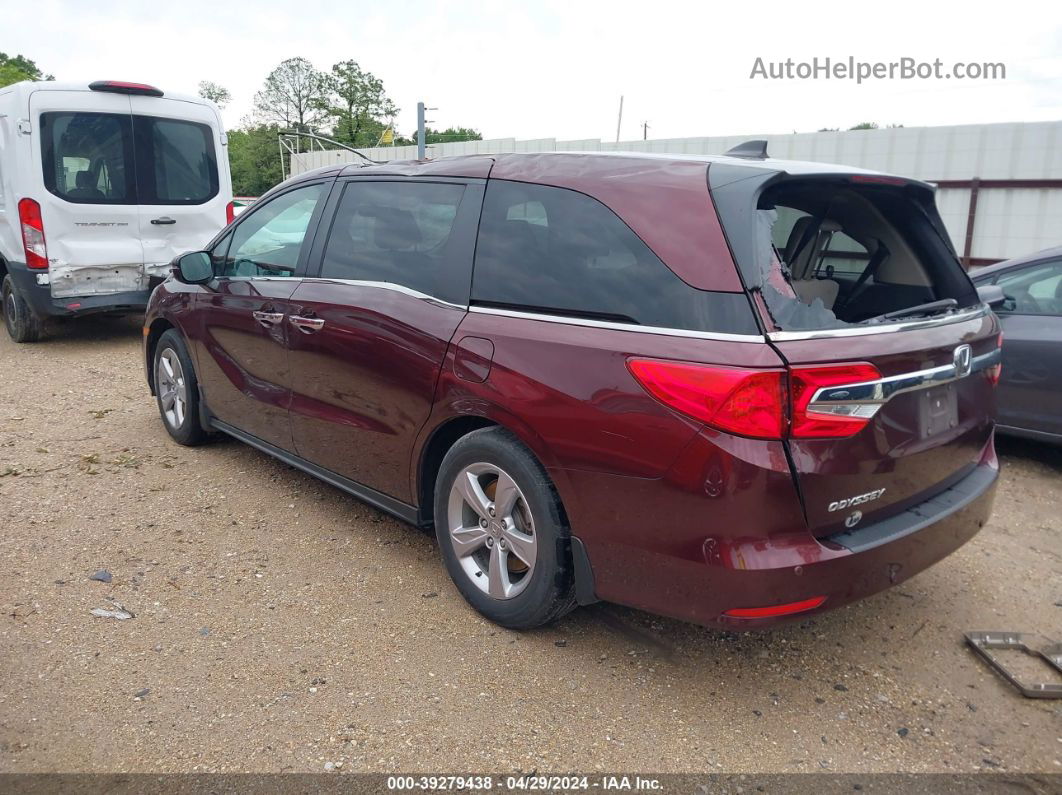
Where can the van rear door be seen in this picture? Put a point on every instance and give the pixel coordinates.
(83, 174)
(182, 177)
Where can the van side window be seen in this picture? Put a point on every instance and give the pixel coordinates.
(1033, 291)
(88, 157)
(268, 241)
(397, 232)
(557, 251)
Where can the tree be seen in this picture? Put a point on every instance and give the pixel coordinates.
(215, 92)
(449, 135)
(254, 159)
(866, 125)
(18, 68)
(358, 103)
(294, 96)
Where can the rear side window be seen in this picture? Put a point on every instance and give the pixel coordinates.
(398, 232)
(557, 251)
(176, 161)
(88, 157)
(115, 158)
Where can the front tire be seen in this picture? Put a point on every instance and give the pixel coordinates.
(177, 390)
(23, 324)
(501, 531)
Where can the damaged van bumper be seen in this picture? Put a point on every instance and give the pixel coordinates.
(82, 291)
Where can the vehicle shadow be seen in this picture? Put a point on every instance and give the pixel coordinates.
(1047, 455)
(93, 328)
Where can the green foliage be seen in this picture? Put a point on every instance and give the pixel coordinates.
(215, 92)
(358, 104)
(295, 96)
(14, 69)
(254, 159)
(866, 125)
(449, 135)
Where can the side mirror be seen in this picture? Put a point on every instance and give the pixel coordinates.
(991, 294)
(194, 267)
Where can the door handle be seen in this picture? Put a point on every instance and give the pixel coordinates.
(307, 325)
(164, 221)
(267, 319)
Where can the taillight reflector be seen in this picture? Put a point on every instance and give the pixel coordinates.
(772, 611)
(230, 212)
(806, 381)
(741, 401)
(123, 87)
(994, 372)
(29, 216)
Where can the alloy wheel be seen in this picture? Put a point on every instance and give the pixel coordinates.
(173, 392)
(492, 530)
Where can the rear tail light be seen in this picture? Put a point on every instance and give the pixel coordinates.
(29, 216)
(807, 423)
(772, 611)
(762, 404)
(745, 402)
(230, 212)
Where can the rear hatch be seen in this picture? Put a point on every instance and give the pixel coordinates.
(892, 356)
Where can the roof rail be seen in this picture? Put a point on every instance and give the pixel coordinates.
(751, 150)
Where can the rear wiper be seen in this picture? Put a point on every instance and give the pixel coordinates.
(922, 310)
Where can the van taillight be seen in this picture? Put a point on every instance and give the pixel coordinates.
(762, 404)
(736, 400)
(29, 216)
(806, 381)
(230, 212)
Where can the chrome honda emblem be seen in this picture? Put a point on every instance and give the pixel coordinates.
(963, 359)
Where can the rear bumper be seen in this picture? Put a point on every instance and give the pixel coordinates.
(700, 558)
(39, 297)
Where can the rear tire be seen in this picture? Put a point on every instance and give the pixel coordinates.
(501, 530)
(22, 323)
(177, 390)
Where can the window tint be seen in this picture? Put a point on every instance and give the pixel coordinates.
(556, 250)
(176, 164)
(397, 232)
(268, 241)
(1033, 291)
(88, 157)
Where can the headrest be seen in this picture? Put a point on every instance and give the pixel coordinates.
(84, 179)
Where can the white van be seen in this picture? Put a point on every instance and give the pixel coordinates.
(101, 186)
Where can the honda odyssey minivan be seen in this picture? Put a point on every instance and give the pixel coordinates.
(101, 185)
(730, 389)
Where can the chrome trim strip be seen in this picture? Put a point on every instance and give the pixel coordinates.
(578, 321)
(392, 286)
(884, 328)
(865, 398)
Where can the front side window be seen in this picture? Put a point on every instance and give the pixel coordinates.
(176, 161)
(1033, 291)
(88, 157)
(269, 240)
(557, 251)
(396, 232)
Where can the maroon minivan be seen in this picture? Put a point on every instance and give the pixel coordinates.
(726, 389)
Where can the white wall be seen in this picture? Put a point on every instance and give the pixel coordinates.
(1009, 222)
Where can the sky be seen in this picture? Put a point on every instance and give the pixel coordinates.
(557, 68)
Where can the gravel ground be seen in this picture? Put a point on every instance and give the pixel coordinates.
(282, 626)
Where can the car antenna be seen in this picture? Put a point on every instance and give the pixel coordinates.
(750, 150)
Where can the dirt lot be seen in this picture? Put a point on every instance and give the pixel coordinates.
(280, 625)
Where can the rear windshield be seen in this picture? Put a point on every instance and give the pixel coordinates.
(115, 158)
(832, 252)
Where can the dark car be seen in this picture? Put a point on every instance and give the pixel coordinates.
(1030, 389)
(726, 389)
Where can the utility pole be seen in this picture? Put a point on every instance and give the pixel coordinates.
(645, 131)
(420, 131)
(619, 120)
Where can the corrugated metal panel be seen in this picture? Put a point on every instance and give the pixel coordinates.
(1009, 221)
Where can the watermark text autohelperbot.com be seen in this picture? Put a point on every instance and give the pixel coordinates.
(861, 71)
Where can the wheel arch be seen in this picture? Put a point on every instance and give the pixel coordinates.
(158, 327)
